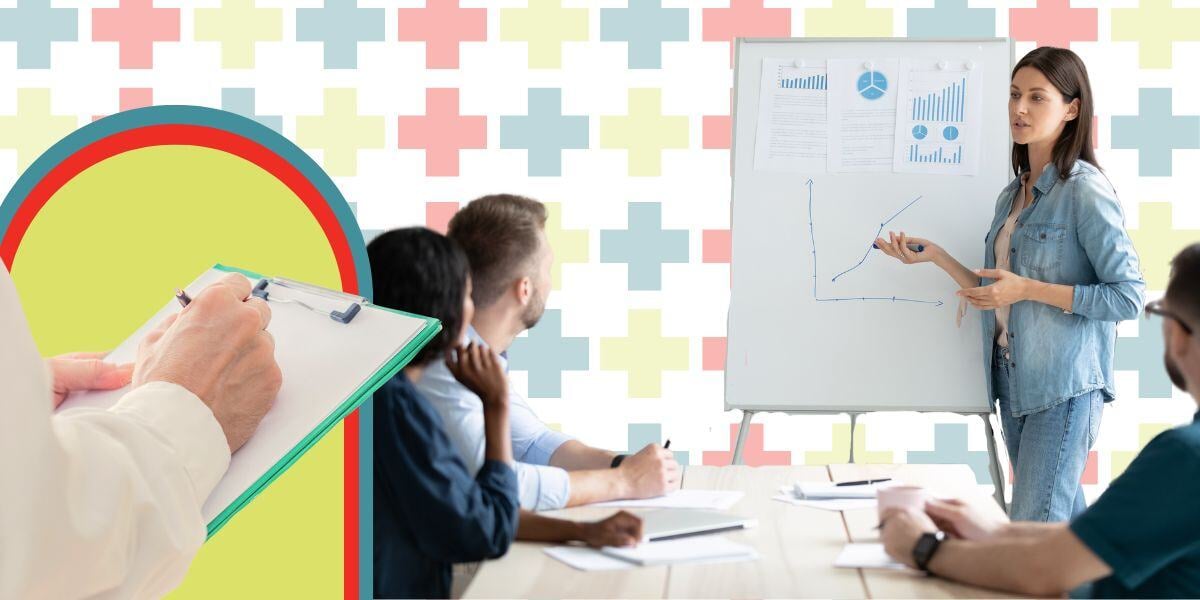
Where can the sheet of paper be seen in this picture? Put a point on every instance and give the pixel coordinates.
(867, 556)
(940, 117)
(791, 118)
(836, 505)
(701, 548)
(709, 499)
(814, 490)
(862, 114)
(587, 559)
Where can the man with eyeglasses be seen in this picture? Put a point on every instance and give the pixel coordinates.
(1140, 539)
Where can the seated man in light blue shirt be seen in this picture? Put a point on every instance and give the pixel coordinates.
(510, 258)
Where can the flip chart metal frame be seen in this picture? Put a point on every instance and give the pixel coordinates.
(995, 470)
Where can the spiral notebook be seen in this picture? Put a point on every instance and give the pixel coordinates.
(334, 350)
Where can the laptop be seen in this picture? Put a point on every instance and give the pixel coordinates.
(673, 523)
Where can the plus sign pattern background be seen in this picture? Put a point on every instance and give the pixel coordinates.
(616, 114)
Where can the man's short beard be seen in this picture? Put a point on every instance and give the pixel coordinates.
(534, 310)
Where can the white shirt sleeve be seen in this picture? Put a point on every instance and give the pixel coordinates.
(542, 487)
(98, 503)
(533, 442)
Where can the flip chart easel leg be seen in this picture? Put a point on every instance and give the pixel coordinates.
(743, 431)
(853, 422)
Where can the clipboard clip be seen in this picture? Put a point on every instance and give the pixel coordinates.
(344, 316)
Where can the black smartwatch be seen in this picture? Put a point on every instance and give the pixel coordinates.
(617, 460)
(926, 546)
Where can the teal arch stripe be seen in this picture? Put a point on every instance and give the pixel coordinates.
(206, 117)
(285, 149)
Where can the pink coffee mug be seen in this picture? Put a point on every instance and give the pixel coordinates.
(902, 496)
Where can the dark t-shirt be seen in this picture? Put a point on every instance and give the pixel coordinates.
(429, 511)
(1146, 525)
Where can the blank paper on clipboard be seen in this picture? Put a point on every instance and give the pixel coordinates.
(329, 368)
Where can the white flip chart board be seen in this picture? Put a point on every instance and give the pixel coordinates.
(818, 321)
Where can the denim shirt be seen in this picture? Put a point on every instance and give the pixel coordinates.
(1072, 234)
(430, 511)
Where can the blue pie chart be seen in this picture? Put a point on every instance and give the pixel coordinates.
(950, 133)
(920, 131)
(872, 85)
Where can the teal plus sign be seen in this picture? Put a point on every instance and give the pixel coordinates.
(950, 448)
(951, 18)
(241, 101)
(545, 353)
(644, 434)
(545, 132)
(1144, 354)
(645, 246)
(340, 25)
(33, 24)
(1155, 132)
(645, 25)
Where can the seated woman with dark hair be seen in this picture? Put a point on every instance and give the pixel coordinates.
(430, 511)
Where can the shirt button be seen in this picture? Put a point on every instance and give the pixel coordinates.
(1014, 250)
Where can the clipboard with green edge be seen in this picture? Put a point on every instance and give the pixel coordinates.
(356, 399)
(243, 482)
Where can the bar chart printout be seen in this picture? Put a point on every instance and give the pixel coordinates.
(940, 108)
(792, 120)
(946, 105)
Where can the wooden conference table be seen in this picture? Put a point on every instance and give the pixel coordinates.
(797, 547)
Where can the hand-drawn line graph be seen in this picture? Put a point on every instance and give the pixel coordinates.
(877, 234)
(816, 296)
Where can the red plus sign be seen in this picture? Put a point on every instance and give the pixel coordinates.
(717, 245)
(1053, 23)
(1091, 470)
(135, 25)
(442, 25)
(438, 215)
(131, 98)
(442, 132)
(714, 353)
(718, 129)
(745, 18)
(752, 453)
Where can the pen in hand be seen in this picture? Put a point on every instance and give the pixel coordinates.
(182, 297)
(913, 247)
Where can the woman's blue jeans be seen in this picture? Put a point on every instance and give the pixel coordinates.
(1048, 449)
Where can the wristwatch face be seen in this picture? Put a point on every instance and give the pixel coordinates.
(926, 545)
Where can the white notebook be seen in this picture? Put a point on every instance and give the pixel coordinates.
(684, 550)
(815, 490)
(329, 368)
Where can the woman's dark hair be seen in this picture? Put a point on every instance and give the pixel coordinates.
(421, 271)
(1066, 72)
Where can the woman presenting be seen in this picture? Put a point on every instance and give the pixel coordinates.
(1060, 272)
